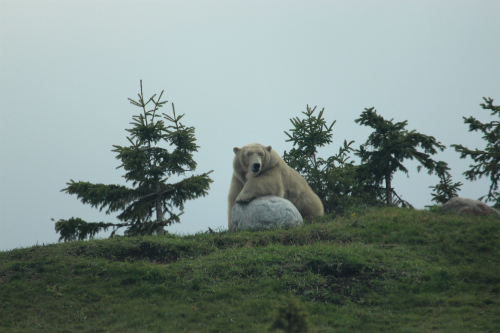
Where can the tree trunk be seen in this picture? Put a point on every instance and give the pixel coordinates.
(159, 209)
(388, 190)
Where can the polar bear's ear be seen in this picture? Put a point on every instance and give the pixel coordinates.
(269, 148)
(236, 150)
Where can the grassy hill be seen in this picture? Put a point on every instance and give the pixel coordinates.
(374, 270)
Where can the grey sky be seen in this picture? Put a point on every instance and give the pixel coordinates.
(239, 70)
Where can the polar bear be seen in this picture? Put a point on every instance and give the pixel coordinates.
(259, 171)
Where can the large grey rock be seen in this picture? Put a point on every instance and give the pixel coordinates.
(265, 213)
(469, 206)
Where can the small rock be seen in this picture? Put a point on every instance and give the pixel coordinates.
(469, 206)
(265, 213)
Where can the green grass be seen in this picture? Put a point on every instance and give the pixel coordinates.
(374, 270)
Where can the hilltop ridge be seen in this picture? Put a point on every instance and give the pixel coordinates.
(373, 270)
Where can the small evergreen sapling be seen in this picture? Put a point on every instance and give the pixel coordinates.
(446, 189)
(487, 160)
(389, 145)
(148, 167)
(290, 317)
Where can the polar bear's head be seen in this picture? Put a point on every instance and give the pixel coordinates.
(253, 159)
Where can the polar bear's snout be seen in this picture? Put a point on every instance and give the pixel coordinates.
(255, 163)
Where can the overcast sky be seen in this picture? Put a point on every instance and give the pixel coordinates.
(239, 70)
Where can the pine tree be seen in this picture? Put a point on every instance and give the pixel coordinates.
(148, 167)
(336, 180)
(487, 160)
(389, 145)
